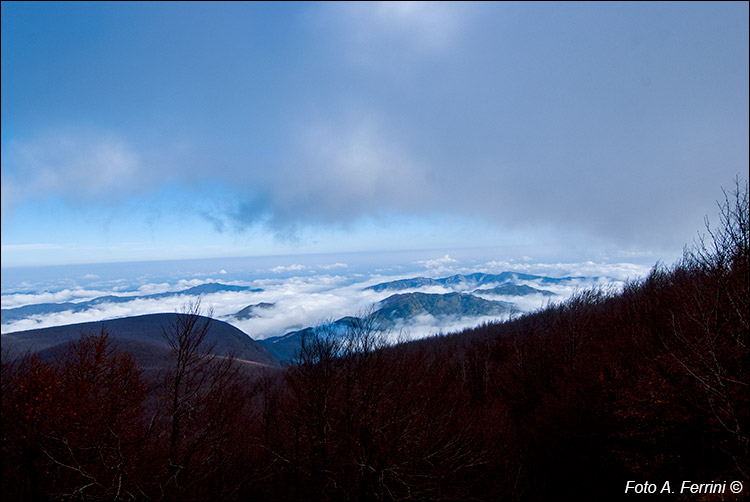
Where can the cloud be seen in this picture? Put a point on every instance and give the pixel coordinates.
(338, 172)
(428, 325)
(410, 26)
(521, 144)
(290, 268)
(613, 130)
(334, 266)
(10, 195)
(299, 302)
(607, 272)
(439, 262)
(89, 166)
(14, 300)
(439, 266)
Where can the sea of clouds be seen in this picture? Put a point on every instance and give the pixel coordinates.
(304, 291)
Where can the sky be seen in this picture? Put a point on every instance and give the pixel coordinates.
(151, 131)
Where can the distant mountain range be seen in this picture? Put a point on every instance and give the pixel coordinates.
(19, 313)
(467, 282)
(403, 307)
(514, 290)
(142, 334)
(139, 335)
(394, 309)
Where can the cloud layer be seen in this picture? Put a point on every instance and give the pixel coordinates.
(301, 295)
(615, 124)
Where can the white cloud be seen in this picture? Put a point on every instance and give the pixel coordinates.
(155, 288)
(615, 271)
(444, 265)
(428, 25)
(378, 31)
(427, 325)
(304, 301)
(334, 266)
(74, 165)
(355, 166)
(291, 268)
(10, 195)
(438, 262)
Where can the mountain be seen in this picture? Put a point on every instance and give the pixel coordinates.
(250, 311)
(19, 313)
(514, 290)
(286, 347)
(211, 287)
(395, 308)
(407, 305)
(466, 282)
(139, 335)
(412, 283)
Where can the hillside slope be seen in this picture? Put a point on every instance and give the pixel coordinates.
(408, 305)
(140, 335)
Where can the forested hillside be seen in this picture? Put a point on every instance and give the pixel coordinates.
(569, 402)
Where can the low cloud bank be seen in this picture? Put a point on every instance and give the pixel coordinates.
(301, 301)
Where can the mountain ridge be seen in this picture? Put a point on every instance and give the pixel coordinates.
(469, 281)
(26, 311)
(514, 290)
(143, 332)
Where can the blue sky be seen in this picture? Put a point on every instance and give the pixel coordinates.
(141, 131)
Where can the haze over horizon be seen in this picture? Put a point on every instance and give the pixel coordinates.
(150, 131)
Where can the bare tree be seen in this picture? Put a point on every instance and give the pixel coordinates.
(710, 334)
(313, 384)
(205, 399)
(728, 243)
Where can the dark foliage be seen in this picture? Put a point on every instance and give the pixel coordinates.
(570, 402)
(72, 430)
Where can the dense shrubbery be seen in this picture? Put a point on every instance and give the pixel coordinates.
(650, 383)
